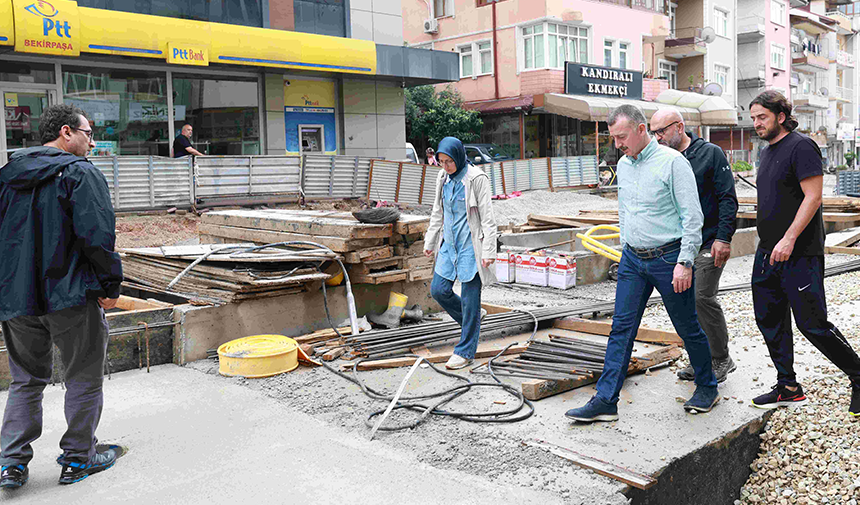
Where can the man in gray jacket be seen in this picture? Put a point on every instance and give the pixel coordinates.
(58, 275)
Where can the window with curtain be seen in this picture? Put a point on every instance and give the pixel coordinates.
(721, 76)
(623, 55)
(566, 43)
(608, 49)
(533, 46)
(485, 49)
(466, 61)
(721, 22)
(669, 71)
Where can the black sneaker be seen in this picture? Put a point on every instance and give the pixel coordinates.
(854, 409)
(703, 400)
(687, 374)
(780, 396)
(13, 476)
(75, 472)
(723, 367)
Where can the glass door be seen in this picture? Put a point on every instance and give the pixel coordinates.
(20, 126)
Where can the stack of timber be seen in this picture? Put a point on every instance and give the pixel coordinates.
(541, 222)
(834, 209)
(374, 253)
(224, 277)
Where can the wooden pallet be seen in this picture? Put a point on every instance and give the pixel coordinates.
(380, 277)
(234, 233)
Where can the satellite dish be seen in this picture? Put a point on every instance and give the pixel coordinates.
(824, 91)
(713, 89)
(708, 34)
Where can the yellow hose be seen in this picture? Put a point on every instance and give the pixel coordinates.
(590, 241)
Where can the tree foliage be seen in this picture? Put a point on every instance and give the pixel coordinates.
(432, 116)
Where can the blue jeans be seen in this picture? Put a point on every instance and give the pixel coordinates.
(637, 279)
(466, 310)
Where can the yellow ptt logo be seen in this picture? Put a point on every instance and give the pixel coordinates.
(42, 8)
(47, 11)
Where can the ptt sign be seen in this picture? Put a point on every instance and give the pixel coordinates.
(183, 54)
(47, 27)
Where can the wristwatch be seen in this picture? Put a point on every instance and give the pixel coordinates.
(686, 263)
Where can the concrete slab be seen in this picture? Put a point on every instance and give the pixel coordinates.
(194, 438)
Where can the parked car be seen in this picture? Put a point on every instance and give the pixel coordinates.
(480, 154)
(411, 154)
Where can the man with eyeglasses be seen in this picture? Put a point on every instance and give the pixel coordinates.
(661, 231)
(719, 201)
(58, 275)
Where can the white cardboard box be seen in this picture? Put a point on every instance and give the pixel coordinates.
(561, 272)
(506, 267)
(532, 269)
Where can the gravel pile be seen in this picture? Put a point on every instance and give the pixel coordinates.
(563, 203)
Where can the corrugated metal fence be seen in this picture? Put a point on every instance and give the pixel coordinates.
(414, 184)
(847, 181)
(148, 182)
(144, 182)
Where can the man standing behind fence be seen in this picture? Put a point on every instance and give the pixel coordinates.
(716, 186)
(661, 230)
(182, 143)
(59, 272)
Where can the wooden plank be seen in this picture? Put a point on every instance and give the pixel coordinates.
(369, 267)
(414, 249)
(629, 477)
(334, 354)
(412, 226)
(495, 309)
(842, 250)
(844, 238)
(594, 220)
(337, 244)
(420, 274)
(418, 262)
(293, 223)
(556, 220)
(129, 303)
(379, 277)
(538, 389)
(485, 350)
(604, 327)
(369, 254)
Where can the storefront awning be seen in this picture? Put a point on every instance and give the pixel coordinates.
(696, 109)
(501, 106)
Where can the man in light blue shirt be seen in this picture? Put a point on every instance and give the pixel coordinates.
(661, 231)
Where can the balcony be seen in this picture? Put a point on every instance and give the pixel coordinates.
(685, 43)
(655, 6)
(811, 23)
(754, 81)
(810, 63)
(844, 60)
(810, 101)
(843, 22)
(843, 94)
(799, 3)
(750, 29)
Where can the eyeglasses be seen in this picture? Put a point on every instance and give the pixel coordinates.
(662, 131)
(88, 133)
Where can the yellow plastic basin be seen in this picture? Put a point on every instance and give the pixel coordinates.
(258, 356)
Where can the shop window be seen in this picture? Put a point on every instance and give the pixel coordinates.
(504, 132)
(235, 12)
(128, 108)
(28, 73)
(223, 112)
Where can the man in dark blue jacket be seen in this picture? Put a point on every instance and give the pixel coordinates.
(720, 206)
(58, 274)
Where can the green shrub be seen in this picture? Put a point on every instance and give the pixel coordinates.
(741, 166)
(841, 167)
(849, 158)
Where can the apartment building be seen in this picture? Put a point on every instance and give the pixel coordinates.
(513, 55)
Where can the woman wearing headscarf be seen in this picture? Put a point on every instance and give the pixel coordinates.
(431, 157)
(462, 234)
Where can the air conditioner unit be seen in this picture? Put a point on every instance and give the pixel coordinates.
(431, 25)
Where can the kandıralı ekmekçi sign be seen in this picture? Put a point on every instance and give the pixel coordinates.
(582, 79)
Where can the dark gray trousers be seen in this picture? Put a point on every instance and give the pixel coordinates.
(711, 317)
(81, 334)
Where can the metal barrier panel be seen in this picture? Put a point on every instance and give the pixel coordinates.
(847, 181)
(383, 186)
(146, 182)
(236, 176)
(335, 176)
(410, 183)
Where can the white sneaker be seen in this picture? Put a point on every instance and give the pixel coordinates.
(457, 362)
(483, 314)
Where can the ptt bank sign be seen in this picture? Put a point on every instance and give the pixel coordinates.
(183, 54)
(47, 27)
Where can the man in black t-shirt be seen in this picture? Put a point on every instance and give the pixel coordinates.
(788, 272)
(182, 143)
